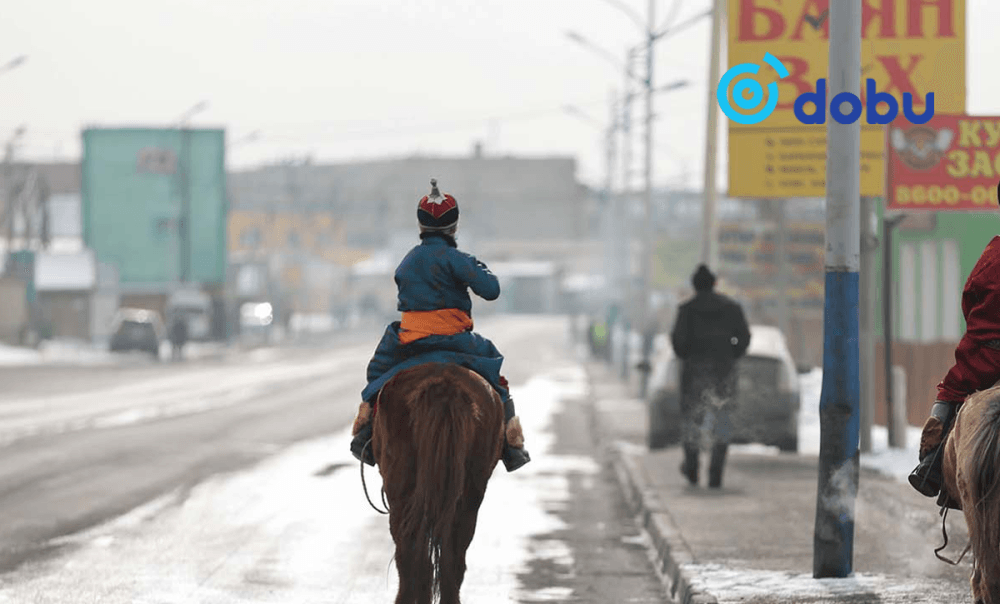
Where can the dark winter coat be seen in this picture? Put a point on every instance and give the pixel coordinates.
(709, 335)
(436, 275)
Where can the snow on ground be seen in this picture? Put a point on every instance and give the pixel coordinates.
(15, 355)
(737, 585)
(172, 395)
(77, 352)
(285, 531)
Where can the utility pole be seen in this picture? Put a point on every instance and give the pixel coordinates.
(781, 257)
(833, 541)
(610, 147)
(888, 225)
(866, 315)
(10, 204)
(183, 227)
(710, 227)
(611, 202)
(184, 178)
(622, 239)
(645, 322)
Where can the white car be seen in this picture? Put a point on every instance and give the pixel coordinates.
(768, 399)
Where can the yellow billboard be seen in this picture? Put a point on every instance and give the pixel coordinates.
(791, 162)
(908, 46)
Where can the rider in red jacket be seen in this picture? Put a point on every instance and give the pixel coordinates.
(977, 367)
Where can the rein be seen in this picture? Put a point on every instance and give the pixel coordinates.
(364, 485)
(944, 533)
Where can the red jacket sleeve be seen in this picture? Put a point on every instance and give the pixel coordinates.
(977, 357)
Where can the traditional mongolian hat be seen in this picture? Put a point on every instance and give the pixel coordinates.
(437, 212)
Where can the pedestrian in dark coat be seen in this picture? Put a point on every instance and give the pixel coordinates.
(178, 336)
(710, 333)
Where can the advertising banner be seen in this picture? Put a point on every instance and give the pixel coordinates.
(950, 163)
(913, 52)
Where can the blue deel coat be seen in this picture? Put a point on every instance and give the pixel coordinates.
(436, 275)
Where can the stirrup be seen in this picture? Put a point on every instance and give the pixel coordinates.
(927, 477)
(513, 457)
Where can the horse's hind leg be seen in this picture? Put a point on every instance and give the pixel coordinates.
(414, 577)
(452, 569)
(453, 564)
(413, 567)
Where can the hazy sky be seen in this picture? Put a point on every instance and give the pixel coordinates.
(344, 79)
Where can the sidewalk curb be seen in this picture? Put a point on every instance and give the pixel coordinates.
(668, 545)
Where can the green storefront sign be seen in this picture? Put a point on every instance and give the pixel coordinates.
(139, 185)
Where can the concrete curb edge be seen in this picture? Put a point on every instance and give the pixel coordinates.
(671, 552)
(668, 547)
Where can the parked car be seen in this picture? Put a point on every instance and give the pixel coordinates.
(256, 320)
(768, 399)
(137, 329)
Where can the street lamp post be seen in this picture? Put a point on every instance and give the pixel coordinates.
(710, 226)
(9, 209)
(184, 172)
(645, 283)
(623, 252)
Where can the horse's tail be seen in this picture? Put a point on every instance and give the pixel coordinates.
(443, 414)
(981, 468)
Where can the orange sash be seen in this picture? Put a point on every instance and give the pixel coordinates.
(443, 322)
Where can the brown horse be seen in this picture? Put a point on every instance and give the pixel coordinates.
(971, 468)
(437, 435)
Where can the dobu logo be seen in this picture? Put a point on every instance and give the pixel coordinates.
(753, 87)
(817, 98)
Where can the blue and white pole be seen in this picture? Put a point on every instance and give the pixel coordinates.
(833, 541)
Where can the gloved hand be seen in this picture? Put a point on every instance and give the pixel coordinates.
(936, 426)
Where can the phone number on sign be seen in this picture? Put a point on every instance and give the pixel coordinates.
(949, 195)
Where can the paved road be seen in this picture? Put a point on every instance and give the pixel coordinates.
(231, 482)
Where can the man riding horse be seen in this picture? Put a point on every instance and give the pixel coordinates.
(436, 326)
(977, 367)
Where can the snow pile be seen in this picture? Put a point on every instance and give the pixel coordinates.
(15, 355)
(53, 351)
(742, 585)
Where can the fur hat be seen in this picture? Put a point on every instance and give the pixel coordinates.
(437, 212)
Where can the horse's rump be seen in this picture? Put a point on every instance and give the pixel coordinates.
(438, 432)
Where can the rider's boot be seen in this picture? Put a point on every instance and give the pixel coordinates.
(362, 431)
(927, 478)
(513, 455)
